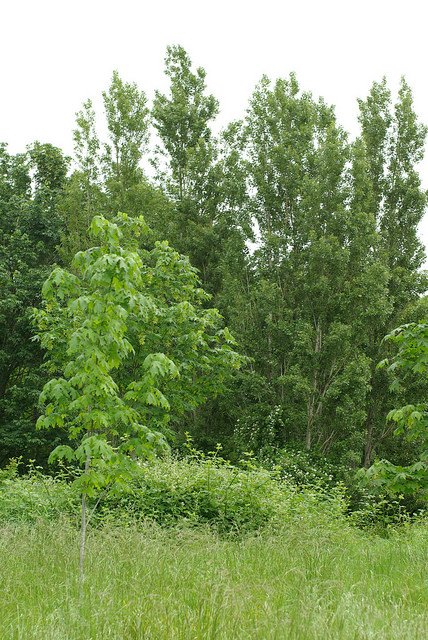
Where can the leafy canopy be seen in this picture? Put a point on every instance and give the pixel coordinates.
(98, 325)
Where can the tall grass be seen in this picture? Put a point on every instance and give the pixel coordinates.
(313, 579)
(202, 550)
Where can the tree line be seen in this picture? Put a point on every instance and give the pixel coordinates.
(336, 264)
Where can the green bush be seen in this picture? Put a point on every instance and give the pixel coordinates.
(196, 490)
(366, 508)
(26, 498)
(208, 490)
(204, 491)
(299, 467)
(200, 490)
(263, 427)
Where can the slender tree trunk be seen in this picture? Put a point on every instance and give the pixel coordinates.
(311, 414)
(269, 348)
(3, 383)
(373, 438)
(368, 445)
(83, 526)
(314, 393)
(308, 441)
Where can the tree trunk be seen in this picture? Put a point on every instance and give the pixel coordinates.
(311, 415)
(368, 445)
(83, 527)
(315, 391)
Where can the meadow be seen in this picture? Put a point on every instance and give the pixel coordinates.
(306, 572)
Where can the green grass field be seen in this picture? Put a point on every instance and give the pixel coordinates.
(313, 579)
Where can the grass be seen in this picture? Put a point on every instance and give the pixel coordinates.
(313, 579)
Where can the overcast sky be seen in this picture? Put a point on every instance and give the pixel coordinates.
(55, 54)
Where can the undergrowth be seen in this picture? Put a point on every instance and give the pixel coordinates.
(203, 489)
(195, 490)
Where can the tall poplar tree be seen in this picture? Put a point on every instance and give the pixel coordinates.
(127, 117)
(386, 183)
(126, 186)
(83, 195)
(201, 175)
(318, 279)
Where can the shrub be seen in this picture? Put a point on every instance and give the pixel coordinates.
(263, 427)
(34, 495)
(209, 490)
(299, 467)
(196, 490)
(377, 510)
(204, 491)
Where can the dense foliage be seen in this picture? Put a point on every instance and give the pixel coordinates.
(32, 185)
(336, 266)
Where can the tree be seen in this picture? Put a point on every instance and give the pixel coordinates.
(127, 120)
(125, 186)
(315, 274)
(96, 325)
(31, 185)
(337, 262)
(385, 183)
(87, 147)
(205, 179)
(83, 194)
(192, 172)
(182, 120)
(128, 126)
(114, 180)
(411, 419)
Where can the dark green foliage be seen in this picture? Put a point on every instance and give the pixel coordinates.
(315, 278)
(29, 235)
(386, 183)
(337, 261)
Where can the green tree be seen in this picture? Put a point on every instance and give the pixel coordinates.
(127, 117)
(411, 419)
(205, 178)
(316, 276)
(107, 394)
(126, 187)
(114, 180)
(83, 195)
(84, 326)
(182, 121)
(191, 170)
(385, 182)
(31, 185)
(127, 120)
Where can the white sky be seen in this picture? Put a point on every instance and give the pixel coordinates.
(55, 54)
